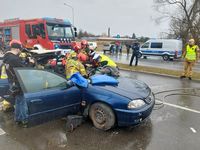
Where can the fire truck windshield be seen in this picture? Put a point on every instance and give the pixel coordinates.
(56, 31)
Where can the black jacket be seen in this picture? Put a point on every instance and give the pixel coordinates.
(136, 48)
(12, 61)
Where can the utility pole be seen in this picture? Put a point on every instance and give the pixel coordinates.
(109, 32)
(72, 11)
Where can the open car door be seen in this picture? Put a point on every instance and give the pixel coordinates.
(47, 95)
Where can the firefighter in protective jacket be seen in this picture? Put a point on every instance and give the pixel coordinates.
(73, 65)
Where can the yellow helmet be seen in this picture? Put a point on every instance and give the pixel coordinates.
(23, 55)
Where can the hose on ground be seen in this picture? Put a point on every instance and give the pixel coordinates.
(160, 101)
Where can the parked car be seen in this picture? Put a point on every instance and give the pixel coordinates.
(167, 48)
(49, 96)
(111, 48)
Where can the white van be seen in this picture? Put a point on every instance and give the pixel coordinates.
(167, 48)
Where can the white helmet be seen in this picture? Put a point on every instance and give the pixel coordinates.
(96, 56)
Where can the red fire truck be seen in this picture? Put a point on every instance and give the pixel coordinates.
(49, 33)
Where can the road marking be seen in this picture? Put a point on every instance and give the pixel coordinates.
(180, 107)
(2, 132)
(193, 130)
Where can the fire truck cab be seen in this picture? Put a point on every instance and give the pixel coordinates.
(48, 33)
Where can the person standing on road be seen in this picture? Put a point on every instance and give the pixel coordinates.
(191, 57)
(12, 60)
(128, 47)
(135, 48)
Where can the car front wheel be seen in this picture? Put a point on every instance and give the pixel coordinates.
(102, 116)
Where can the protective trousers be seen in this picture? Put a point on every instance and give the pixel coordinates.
(188, 68)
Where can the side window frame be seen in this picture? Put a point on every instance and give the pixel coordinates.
(42, 30)
(28, 31)
(35, 30)
(157, 45)
(24, 88)
(148, 43)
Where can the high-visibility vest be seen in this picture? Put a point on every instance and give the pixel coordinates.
(3, 72)
(110, 62)
(191, 52)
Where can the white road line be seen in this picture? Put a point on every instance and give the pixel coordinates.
(180, 107)
(2, 132)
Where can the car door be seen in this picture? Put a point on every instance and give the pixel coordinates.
(145, 49)
(47, 94)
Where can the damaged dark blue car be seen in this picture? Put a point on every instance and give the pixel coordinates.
(103, 99)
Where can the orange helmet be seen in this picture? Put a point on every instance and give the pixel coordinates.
(82, 57)
(84, 42)
(52, 63)
(15, 44)
(76, 47)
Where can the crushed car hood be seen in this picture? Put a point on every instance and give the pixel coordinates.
(133, 89)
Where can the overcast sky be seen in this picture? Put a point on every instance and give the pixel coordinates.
(123, 16)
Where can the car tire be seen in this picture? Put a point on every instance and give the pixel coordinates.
(144, 57)
(102, 116)
(165, 57)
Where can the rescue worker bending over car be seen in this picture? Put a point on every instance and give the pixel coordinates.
(108, 66)
(73, 65)
(81, 50)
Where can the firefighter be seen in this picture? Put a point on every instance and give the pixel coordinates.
(107, 65)
(191, 57)
(83, 54)
(104, 60)
(85, 46)
(73, 65)
(11, 60)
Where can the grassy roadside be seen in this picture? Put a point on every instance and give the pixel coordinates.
(168, 72)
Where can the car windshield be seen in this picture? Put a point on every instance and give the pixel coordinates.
(56, 31)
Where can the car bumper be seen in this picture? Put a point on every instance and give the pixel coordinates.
(133, 117)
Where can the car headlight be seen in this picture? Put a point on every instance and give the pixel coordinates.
(136, 104)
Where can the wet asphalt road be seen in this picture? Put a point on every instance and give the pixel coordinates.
(153, 61)
(168, 128)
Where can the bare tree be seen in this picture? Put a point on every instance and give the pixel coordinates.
(184, 17)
